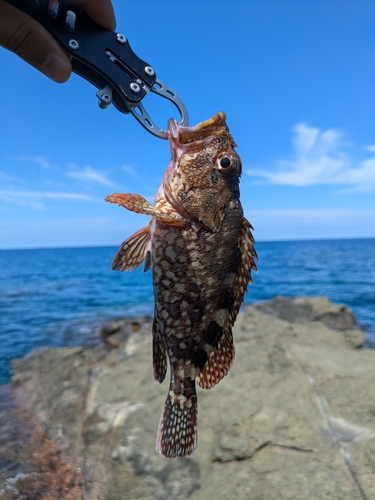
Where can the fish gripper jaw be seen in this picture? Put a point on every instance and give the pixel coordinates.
(104, 58)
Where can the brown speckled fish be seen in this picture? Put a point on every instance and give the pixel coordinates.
(200, 249)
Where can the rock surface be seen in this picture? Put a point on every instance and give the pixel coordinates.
(293, 419)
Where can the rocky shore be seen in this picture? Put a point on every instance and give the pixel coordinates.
(294, 418)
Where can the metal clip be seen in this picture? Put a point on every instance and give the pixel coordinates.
(141, 115)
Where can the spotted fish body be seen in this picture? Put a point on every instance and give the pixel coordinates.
(201, 252)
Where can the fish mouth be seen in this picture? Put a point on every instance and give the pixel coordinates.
(189, 140)
(180, 136)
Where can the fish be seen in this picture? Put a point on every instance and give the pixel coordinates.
(201, 251)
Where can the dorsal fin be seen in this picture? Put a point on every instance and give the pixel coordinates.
(248, 256)
(221, 357)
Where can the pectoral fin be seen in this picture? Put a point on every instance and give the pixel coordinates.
(133, 251)
(136, 203)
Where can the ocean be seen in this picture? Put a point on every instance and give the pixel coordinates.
(61, 297)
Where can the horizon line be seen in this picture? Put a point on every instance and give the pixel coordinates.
(292, 240)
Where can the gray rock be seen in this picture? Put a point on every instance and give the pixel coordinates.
(115, 332)
(293, 419)
(307, 309)
(319, 309)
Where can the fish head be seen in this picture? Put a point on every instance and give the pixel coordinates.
(203, 176)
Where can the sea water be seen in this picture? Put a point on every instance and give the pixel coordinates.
(61, 297)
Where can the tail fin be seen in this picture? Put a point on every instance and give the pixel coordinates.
(177, 432)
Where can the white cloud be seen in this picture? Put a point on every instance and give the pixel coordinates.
(309, 214)
(67, 232)
(319, 157)
(129, 169)
(296, 224)
(35, 199)
(41, 161)
(89, 174)
(7, 177)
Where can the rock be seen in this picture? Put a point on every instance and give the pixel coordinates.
(307, 309)
(118, 331)
(30, 464)
(293, 419)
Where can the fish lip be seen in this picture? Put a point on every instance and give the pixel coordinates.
(180, 134)
(183, 139)
(173, 128)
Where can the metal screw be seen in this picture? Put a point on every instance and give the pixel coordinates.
(149, 71)
(108, 53)
(135, 88)
(73, 44)
(121, 38)
(104, 96)
(104, 101)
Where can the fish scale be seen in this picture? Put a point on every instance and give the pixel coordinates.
(200, 249)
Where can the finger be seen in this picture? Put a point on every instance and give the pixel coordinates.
(25, 37)
(100, 12)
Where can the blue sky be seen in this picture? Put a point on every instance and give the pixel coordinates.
(296, 79)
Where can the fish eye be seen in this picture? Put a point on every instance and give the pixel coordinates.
(227, 163)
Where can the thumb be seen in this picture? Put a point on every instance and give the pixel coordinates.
(24, 36)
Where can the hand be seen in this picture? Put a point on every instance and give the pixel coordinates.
(24, 36)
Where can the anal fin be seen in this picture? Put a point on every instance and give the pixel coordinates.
(218, 363)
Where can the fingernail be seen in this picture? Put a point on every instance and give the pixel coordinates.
(56, 67)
